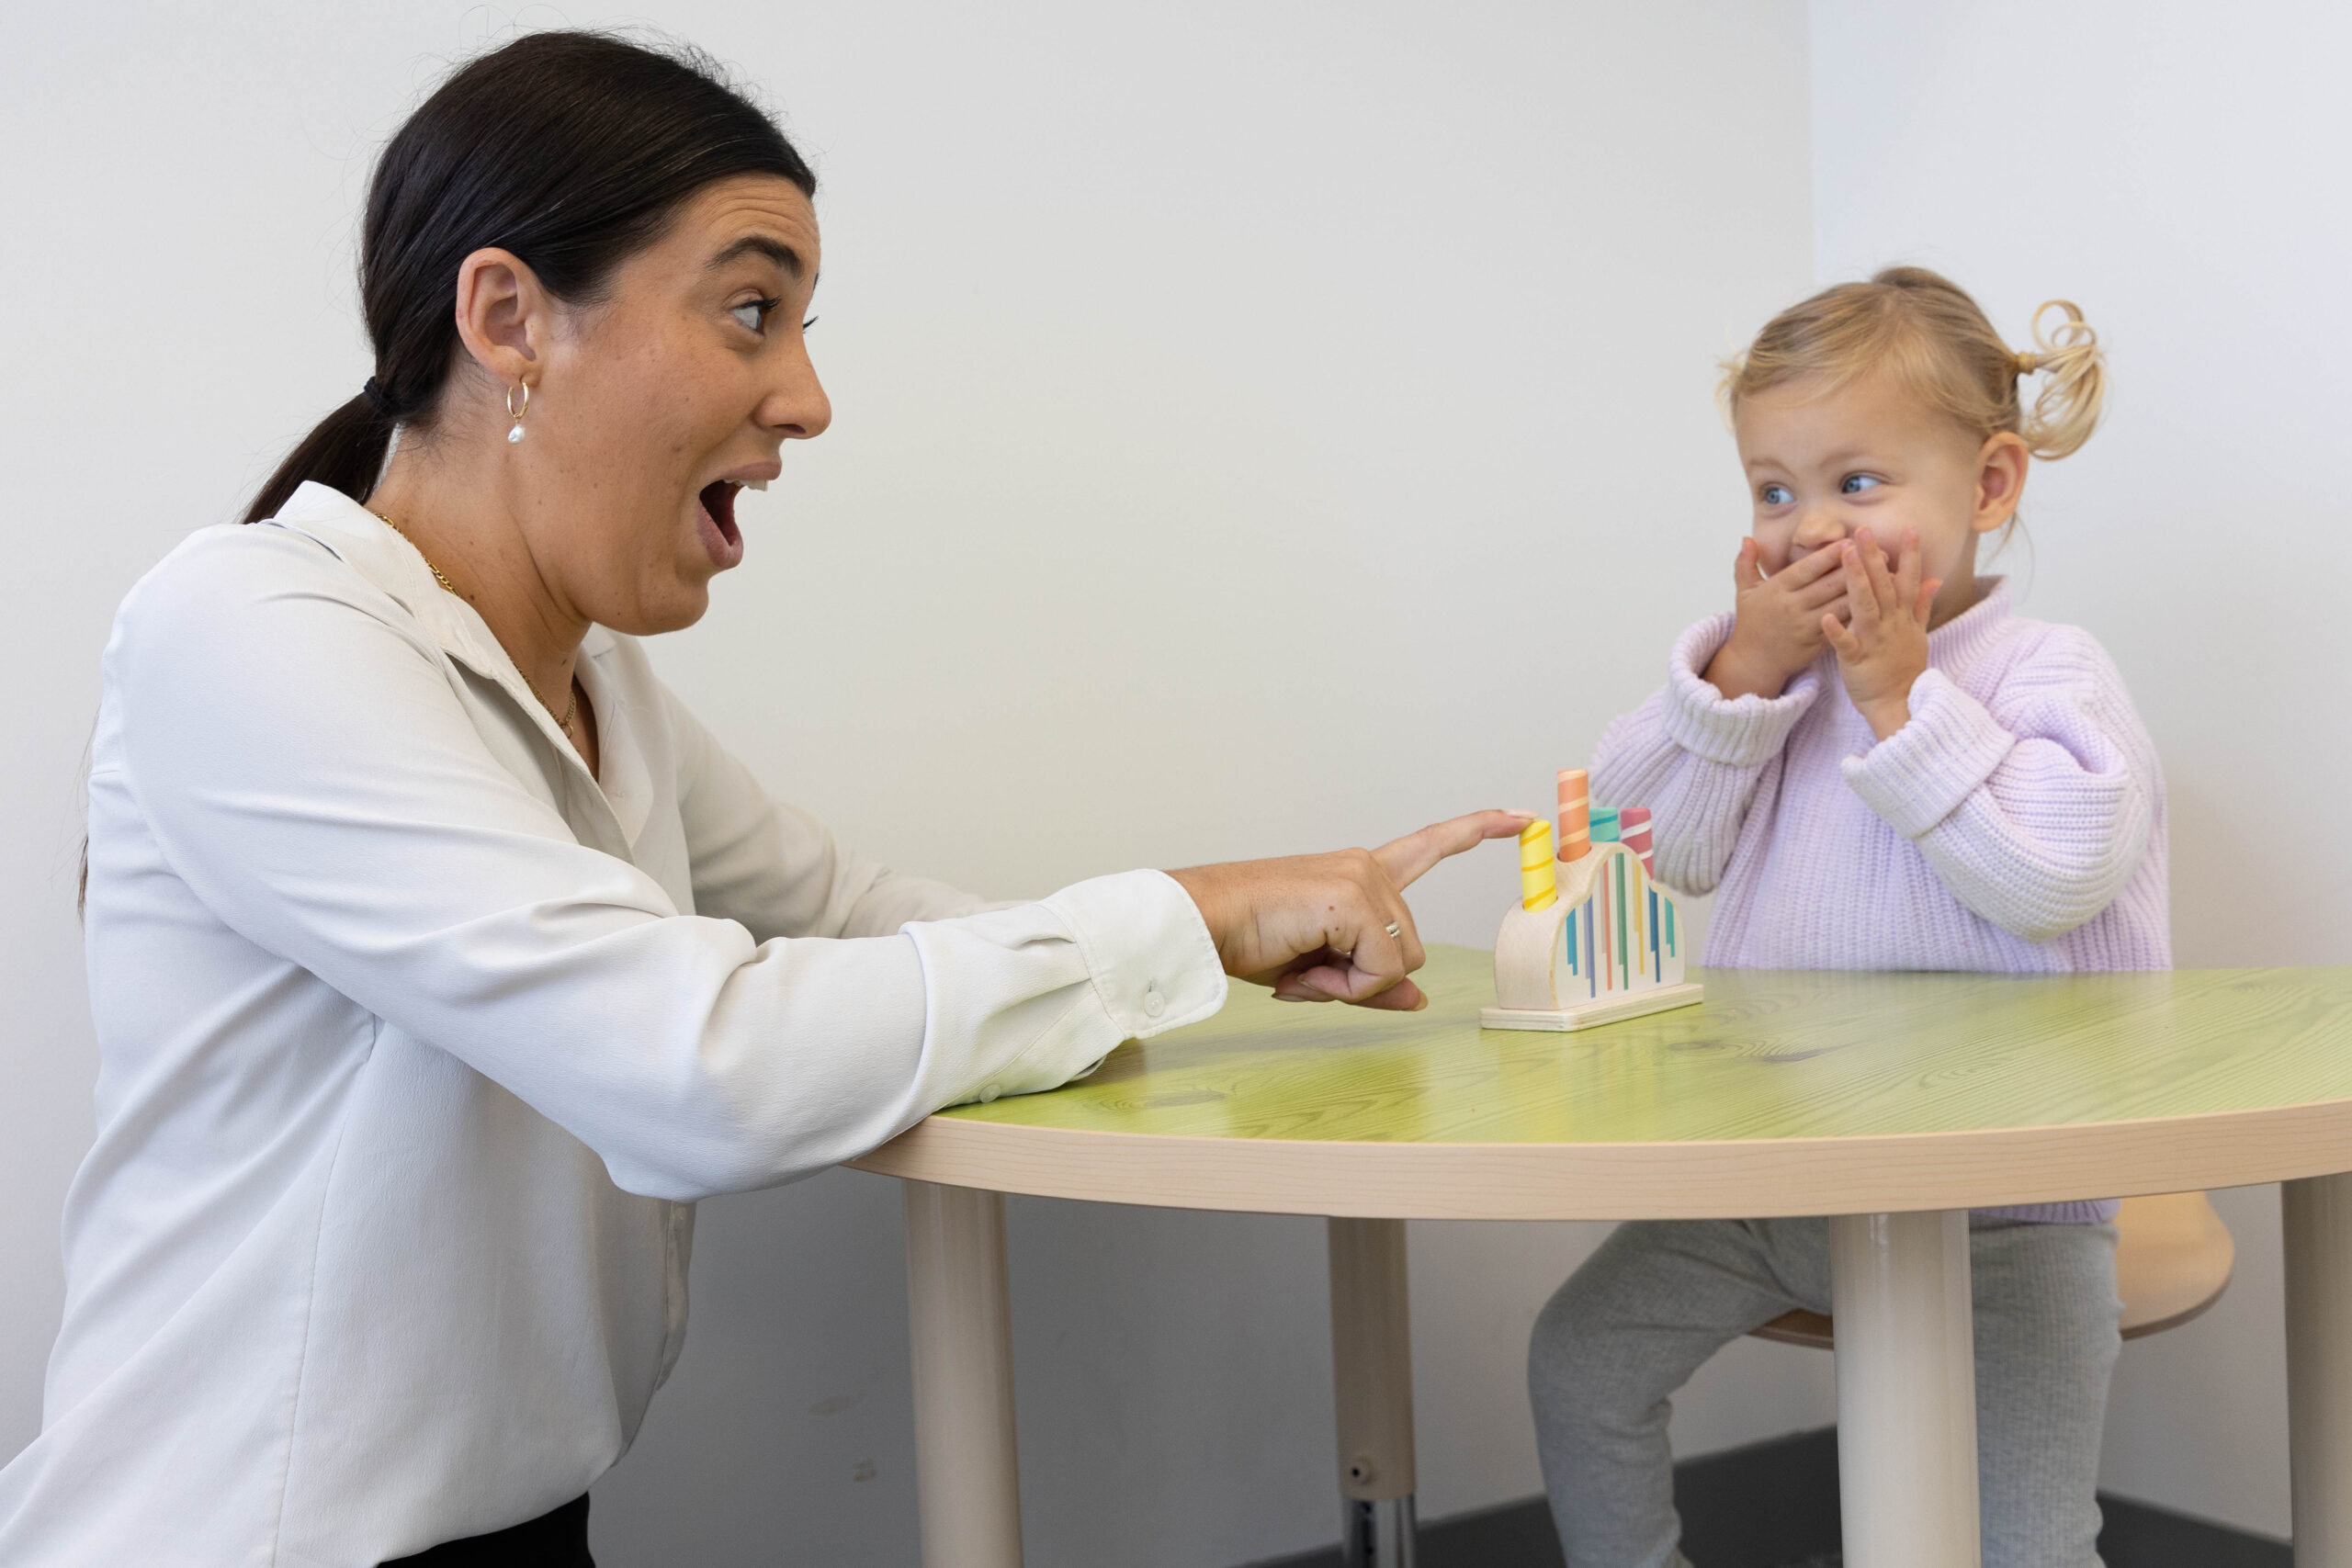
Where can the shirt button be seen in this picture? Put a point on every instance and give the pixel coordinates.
(1154, 1003)
(991, 1092)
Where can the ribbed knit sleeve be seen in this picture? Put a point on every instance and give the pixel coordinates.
(1694, 758)
(2035, 819)
(1737, 732)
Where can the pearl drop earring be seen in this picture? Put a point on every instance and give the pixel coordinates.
(516, 413)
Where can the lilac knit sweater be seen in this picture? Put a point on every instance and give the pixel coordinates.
(2015, 825)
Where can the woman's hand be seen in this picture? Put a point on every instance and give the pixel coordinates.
(1884, 647)
(1318, 927)
(1776, 624)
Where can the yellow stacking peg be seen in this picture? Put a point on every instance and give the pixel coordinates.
(1539, 884)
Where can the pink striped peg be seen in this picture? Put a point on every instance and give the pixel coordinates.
(1633, 828)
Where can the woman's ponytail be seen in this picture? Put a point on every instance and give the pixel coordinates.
(2067, 410)
(346, 453)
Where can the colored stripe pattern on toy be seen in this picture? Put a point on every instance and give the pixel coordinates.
(1633, 832)
(1575, 801)
(1623, 937)
(1539, 886)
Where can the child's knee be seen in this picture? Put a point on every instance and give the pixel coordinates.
(1560, 1348)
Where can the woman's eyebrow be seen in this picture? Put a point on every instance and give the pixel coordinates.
(775, 250)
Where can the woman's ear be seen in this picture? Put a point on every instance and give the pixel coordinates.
(2000, 480)
(506, 318)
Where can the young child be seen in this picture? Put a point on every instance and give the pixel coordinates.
(1878, 764)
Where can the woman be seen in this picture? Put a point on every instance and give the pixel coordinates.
(441, 959)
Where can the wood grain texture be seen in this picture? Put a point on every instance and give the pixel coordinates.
(1785, 1093)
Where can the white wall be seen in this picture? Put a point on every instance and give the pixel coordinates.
(1215, 383)
(2179, 170)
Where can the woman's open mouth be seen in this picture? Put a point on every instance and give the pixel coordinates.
(720, 534)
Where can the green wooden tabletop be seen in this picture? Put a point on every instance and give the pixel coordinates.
(1783, 1092)
(1770, 1054)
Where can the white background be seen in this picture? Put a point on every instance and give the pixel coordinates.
(1228, 398)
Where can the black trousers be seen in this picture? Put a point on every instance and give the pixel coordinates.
(556, 1539)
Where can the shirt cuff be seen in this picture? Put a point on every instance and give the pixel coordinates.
(1918, 775)
(1738, 732)
(1154, 964)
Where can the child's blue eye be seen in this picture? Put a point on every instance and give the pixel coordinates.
(1857, 483)
(1778, 495)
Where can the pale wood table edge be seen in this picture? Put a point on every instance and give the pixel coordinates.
(1721, 1179)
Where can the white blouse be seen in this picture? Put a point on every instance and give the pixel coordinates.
(417, 1045)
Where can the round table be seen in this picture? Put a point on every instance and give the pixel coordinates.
(1894, 1102)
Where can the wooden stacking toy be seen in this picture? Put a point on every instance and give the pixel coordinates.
(1592, 939)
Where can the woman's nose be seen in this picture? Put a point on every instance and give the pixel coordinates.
(797, 407)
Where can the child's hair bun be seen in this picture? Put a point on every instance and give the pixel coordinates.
(2067, 410)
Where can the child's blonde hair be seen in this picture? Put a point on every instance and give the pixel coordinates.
(1925, 329)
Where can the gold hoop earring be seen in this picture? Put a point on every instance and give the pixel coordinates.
(516, 413)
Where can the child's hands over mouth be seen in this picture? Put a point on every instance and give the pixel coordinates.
(1776, 627)
(1883, 645)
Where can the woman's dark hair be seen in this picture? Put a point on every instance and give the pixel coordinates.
(573, 150)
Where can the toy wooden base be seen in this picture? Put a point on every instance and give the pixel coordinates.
(1607, 1009)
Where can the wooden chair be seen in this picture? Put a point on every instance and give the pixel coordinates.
(2173, 1258)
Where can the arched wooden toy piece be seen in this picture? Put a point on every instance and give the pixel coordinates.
(1627, 957)
(2173, 1259)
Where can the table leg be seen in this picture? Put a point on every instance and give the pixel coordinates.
(1906, 1389)
(1372, 1376)
(959, 1324)
(2316, 1217)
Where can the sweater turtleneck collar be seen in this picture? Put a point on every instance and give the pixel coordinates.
(1959, 640)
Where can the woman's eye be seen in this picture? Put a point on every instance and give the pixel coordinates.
(1778, 495)
(753, 314)
(1857, 483)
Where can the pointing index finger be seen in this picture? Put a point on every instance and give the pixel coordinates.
(1406, 858)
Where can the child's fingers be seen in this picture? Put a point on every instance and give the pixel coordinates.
(1828, 590)
(1926, 599)
(1811, 567)
(1862, 595)
(1881, 581)
(1746, 573)
(1823, 589)
(1906, 570)
(1890, 599)
(1847, 646)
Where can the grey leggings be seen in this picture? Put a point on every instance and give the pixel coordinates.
(1658, 1298)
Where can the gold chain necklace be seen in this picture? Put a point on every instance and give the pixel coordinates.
(570, 712)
